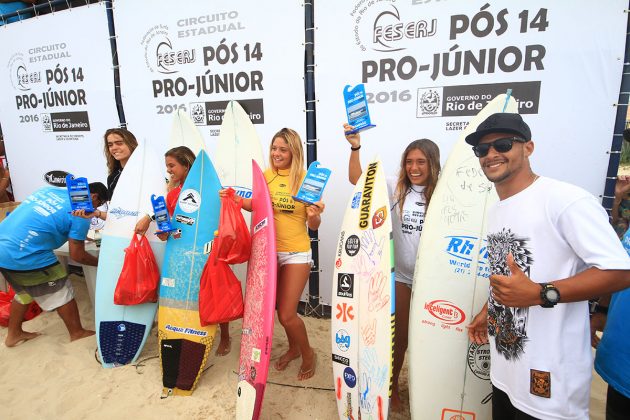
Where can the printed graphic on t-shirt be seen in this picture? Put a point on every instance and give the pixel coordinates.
(282, 201)
(508, 325)
(413, 220)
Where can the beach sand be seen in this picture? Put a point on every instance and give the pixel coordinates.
(51, 378)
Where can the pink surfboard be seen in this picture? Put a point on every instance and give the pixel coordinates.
(260, 302)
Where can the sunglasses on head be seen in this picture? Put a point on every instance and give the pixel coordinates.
(500, 145)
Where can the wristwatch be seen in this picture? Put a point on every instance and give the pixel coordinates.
(596, 308)
(549, 295)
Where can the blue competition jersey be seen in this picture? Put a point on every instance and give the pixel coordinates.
(39, 225)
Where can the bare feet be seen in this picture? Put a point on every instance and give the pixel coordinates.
(285, 359)
(307, 370)
(20, 338)
(225, 346)
(81, 334)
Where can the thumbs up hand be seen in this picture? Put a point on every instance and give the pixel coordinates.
(516, 290)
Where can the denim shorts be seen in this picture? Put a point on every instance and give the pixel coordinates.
(295, 258)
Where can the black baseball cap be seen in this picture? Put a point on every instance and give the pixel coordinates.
(502, 122)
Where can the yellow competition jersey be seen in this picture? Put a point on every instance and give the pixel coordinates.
(289, 215)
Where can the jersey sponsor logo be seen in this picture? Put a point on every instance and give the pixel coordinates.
(342, 338)
(366, 201)
(479, 360)
(445, 311)
(356, 200)
(353, 245)
(345, 312)
(379, 217)
(340, 359)
(189, 201)
(349, 377)
(345, 285)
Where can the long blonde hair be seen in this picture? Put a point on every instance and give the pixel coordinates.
(296, 171)
(432, 153)
(128, 138)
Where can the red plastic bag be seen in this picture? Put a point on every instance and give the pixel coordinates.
(140, 275)
(233, 243)
(5, 308)
(220, 293)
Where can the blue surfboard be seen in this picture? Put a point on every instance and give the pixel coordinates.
(184, 343)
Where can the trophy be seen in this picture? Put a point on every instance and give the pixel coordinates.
(357, 108)
(313, 185)
(79, 193)
(160, 211)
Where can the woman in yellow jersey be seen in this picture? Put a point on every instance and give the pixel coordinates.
(284, 177)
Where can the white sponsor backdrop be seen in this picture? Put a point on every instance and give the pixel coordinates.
(429, 66)
(196, 55)
(56, 96)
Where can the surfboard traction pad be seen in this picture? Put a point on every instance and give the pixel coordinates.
(182, 363)
(120, 341)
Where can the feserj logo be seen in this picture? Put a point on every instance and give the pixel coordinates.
(56, 178)
(445, 311)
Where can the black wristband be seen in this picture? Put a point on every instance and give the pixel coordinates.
(354, 149)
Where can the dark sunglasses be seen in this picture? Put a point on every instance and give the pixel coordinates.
(503, 145)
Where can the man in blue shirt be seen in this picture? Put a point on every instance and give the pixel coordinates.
(612, 360)
(28, 237)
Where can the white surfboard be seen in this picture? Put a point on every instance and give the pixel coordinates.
(363, 301)
(185, 133)
(237, 146)
(121, 331)
(449, 376)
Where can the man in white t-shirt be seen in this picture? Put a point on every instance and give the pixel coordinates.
(550, 249)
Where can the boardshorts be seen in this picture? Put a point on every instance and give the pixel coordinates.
(48, 286)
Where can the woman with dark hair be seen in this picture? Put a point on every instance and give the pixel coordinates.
(409, 195)
(119, 144)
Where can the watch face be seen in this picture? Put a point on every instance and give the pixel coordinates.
(552, 295)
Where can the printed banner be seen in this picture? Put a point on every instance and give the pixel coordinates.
(57, 97)
(197, 56)
(429, 66)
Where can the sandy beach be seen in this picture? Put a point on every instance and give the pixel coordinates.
(51, 378)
